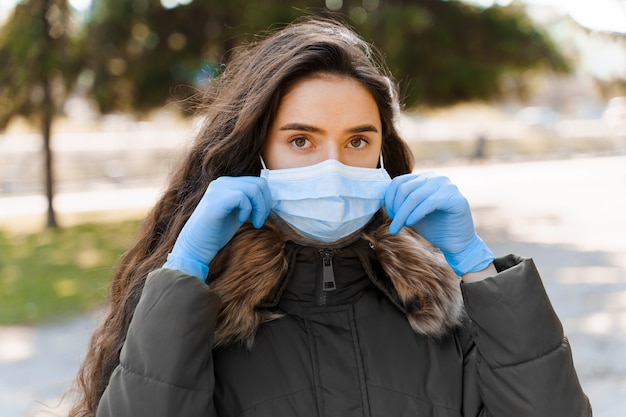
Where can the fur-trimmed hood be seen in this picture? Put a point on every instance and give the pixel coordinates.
(251, 271)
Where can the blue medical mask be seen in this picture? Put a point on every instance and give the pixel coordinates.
(329, 200)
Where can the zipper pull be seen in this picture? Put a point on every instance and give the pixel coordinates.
(328, 274)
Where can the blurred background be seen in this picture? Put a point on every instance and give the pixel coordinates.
(521, 103)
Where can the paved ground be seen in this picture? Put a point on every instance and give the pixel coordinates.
(568, 215)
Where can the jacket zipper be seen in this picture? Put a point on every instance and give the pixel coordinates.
(328, 275)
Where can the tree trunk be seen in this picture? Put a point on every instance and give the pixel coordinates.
(47, 114)
(46, 129)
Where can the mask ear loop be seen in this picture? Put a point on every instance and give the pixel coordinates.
(262, 162)
(382, 165)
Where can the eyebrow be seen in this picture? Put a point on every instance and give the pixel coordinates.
(312, 129)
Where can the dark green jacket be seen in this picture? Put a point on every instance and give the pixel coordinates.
(351, 354)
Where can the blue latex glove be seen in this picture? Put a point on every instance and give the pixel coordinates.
(436, 209)
(227, 203)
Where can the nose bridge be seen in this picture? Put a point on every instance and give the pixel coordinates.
(333, 151)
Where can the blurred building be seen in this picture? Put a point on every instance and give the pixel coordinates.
(599, 59)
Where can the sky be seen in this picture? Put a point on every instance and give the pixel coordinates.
(7, 5)
(607, 15)
(596, 14)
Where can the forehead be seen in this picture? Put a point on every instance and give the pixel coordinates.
(323, 79)
(323, 94)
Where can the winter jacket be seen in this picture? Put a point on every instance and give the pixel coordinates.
(302, 330)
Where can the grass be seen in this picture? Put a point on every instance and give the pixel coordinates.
(59, 273)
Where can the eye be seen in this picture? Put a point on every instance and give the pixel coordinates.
(300, 142)
(359, 142)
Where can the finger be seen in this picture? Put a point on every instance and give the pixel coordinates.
(395, 226)
(392, 191)
(261, 202)
(411, 195)
(234, 202)
(427, 206)
(226, 196)
(447, 199)
(258, 195)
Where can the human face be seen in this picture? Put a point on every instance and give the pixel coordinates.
(325, 117)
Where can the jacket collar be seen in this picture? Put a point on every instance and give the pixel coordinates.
(251, 272)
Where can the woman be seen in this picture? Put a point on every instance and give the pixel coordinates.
(296, 266)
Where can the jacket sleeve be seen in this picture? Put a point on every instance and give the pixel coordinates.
(523, 361)
(166, 364)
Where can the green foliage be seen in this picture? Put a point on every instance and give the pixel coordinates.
(142, 54)
(40, 61)
(59, 273)
(39, 57)
(442, 51)
(147, 54)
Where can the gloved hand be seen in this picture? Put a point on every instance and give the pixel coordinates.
(435, 208)
(227, 203)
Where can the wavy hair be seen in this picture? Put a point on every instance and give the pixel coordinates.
(237, 110)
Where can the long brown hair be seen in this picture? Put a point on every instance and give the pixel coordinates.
(237, 110)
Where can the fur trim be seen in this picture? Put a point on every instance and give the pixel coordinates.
(426, 286)
(251, 267)
(244, 272)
